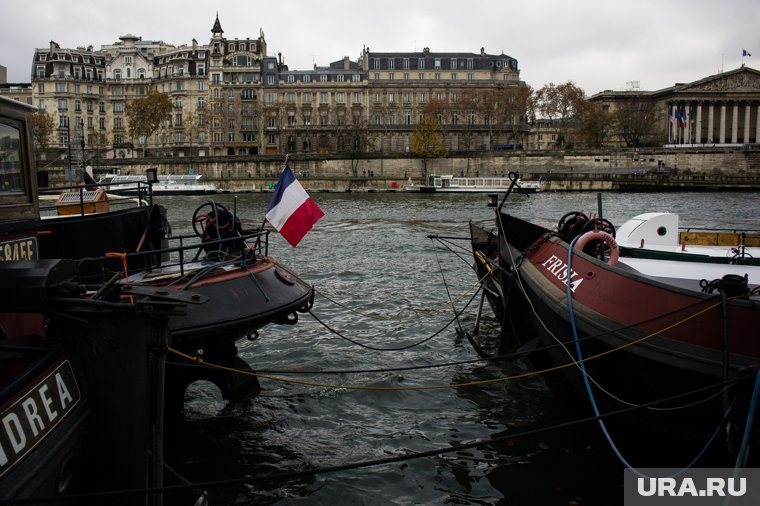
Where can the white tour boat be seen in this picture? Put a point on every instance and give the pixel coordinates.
(169, 184)
(451, 184)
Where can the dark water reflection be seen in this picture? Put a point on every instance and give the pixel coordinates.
(371, 255)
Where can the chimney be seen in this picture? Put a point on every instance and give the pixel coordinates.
(346, 63)
(482, 51)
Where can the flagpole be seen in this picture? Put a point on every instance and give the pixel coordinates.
(287, 158)
(264, 221)
(670, 124)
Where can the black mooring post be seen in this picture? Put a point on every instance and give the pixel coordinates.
(599, 205)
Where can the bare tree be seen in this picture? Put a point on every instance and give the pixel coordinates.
(193, 124)
(463, 116)
(516, 110)
(380, 124)
(43, 126)
(358, 139)
(439, 110)
(636, 123)
(594, 124)
(488, 110)
(559, 103)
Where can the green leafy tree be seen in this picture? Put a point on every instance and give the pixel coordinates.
(43, 126)
(146, 115)
(427, 141)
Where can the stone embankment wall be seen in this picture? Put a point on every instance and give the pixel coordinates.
(570, 170)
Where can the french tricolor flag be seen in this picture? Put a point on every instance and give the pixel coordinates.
(291, 211)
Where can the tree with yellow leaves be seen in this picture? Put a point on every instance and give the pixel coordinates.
(146, 114)
(427, 141)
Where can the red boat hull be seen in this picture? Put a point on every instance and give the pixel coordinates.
(640, 339)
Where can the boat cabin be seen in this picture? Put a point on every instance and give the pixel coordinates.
(19, 210)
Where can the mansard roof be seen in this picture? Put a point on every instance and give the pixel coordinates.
(341, 65)
(480, 61)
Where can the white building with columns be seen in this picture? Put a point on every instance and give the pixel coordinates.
(723, 109)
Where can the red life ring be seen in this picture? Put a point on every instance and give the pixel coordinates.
(600, 235)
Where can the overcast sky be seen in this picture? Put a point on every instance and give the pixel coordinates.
(597, 44)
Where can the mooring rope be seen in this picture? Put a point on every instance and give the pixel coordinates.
(592, 398)
(395, 317)
(399, 348)
(573, 363)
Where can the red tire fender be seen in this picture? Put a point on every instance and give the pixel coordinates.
(599, 235)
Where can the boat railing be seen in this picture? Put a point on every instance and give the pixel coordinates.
(89, 198)
(719, 237)
(183, 253)
(141, 189)
(495, 182)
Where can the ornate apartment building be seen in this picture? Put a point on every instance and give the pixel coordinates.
(231, 98)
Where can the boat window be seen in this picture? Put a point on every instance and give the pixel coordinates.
(11, 178)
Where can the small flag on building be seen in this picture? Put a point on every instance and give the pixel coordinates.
(291, 211)
(745, 53)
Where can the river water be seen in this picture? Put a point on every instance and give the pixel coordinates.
(389, 291)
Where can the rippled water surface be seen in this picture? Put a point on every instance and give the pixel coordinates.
(383, 283)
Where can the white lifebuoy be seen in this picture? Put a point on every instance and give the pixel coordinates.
(600, 235)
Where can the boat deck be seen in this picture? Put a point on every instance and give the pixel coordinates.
(688, 274)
